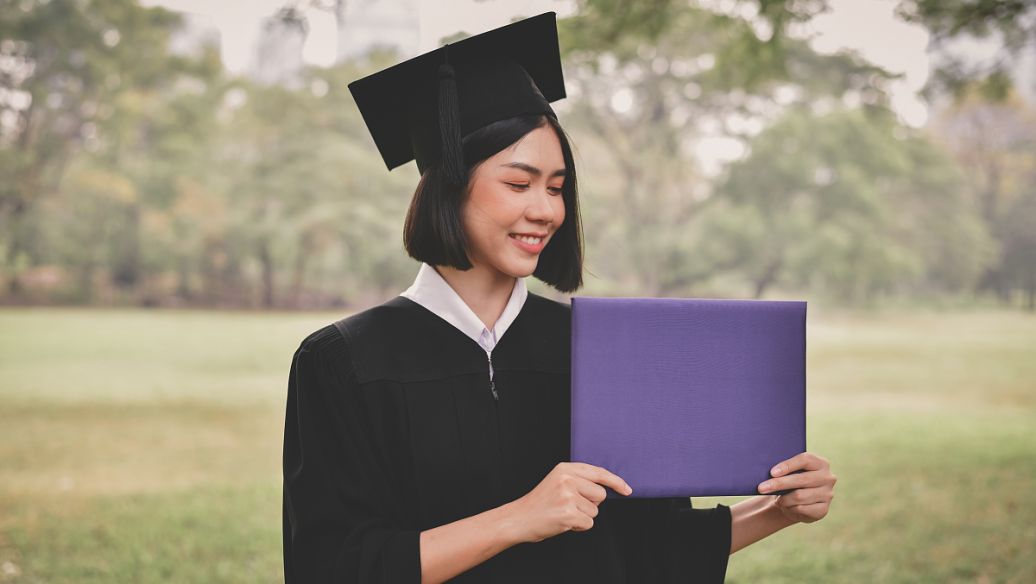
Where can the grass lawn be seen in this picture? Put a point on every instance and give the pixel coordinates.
(144, 446)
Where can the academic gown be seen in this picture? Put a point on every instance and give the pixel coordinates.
(391, 428)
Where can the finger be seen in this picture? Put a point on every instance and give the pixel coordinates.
(804, 479)
(802, 460)
(589, 490)
(602, 476)
(582, 523)
(804, 497)
(587, 508)
(607, 478)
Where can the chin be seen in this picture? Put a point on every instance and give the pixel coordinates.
(519, 269)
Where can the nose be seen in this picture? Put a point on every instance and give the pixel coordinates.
(540, 208)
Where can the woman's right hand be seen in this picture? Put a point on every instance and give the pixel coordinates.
(566, 499)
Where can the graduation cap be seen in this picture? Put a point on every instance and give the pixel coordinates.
(421, 108)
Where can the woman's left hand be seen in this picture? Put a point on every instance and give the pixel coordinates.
(813, 487)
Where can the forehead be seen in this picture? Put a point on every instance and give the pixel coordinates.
(540, 147)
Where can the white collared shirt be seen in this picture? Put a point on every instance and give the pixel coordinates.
(433, 292)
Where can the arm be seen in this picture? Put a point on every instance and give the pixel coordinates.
(343, 516)
(754, 519)
(566, 499)
(455, 547)
(448, 550)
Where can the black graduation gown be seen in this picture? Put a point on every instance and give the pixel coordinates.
(391, 429)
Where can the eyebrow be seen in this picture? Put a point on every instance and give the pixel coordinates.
(532, 169)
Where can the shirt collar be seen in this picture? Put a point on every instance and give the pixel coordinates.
(433, 292)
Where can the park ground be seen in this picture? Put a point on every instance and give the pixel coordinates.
(144, 446)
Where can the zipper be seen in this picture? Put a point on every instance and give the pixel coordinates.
(498, 474)
(492, 384)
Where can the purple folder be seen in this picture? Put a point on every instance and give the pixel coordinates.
(688, 397)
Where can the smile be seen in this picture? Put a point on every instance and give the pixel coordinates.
(528, 243)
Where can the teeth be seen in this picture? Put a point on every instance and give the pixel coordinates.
(527, 239)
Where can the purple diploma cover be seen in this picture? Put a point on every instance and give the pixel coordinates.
(688, 397)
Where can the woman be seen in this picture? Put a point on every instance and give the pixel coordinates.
(427, 438)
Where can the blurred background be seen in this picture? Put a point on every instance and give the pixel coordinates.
(187, 189)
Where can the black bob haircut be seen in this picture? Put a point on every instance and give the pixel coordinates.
(434, 231)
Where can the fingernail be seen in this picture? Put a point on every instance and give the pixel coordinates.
(777, 470)
(765, 486)
(629, 489)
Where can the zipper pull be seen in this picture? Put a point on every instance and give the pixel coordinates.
(492, 384)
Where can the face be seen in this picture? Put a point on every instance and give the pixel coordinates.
(516, 192)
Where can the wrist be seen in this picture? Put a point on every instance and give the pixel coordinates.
(509, 523)
(776, 514)
(754, 519)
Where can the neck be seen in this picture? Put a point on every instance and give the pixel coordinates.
(485, 290)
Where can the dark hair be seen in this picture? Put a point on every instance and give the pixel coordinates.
(434, 232)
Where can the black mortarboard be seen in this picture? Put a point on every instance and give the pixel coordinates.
(461, 87)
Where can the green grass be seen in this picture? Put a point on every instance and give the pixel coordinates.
(142, 446)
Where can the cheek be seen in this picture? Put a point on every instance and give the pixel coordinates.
(488, 218)
(492, 210)
(559, 210)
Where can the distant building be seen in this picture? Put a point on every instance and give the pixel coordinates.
(278, 54)
(365, 24)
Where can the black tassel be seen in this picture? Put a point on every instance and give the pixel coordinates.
(452, 158)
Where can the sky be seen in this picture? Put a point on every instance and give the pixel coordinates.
(871, 28)
(867, 26)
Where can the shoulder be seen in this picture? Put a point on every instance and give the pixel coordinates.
(396, 340)
(322, 340)
(378, 323)
(337, 340)
(549, 314)
(402, 341)
(549, 306)
(398, 316)
(322, 353)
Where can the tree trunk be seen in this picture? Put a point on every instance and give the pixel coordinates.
(126, 274)
(14, 285)
(767, 278)
(298, 274)
(1030, 289)
(183, 285)
(266, 262)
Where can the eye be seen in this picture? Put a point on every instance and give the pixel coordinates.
(522, 187)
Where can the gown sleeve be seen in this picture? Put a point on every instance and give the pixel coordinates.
(666, 540)
(340, 524)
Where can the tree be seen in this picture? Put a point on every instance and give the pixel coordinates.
(308, 188)
(647, 79)
(1011, 24)
(851, 204)
(72, 65)
(995, 144)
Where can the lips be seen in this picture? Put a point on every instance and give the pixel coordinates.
(533, 248)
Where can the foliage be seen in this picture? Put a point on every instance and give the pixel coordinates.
(86, 76)
(650, 96)
(994, 144)
(133, 174)
(1009, 23)
(851, 204)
